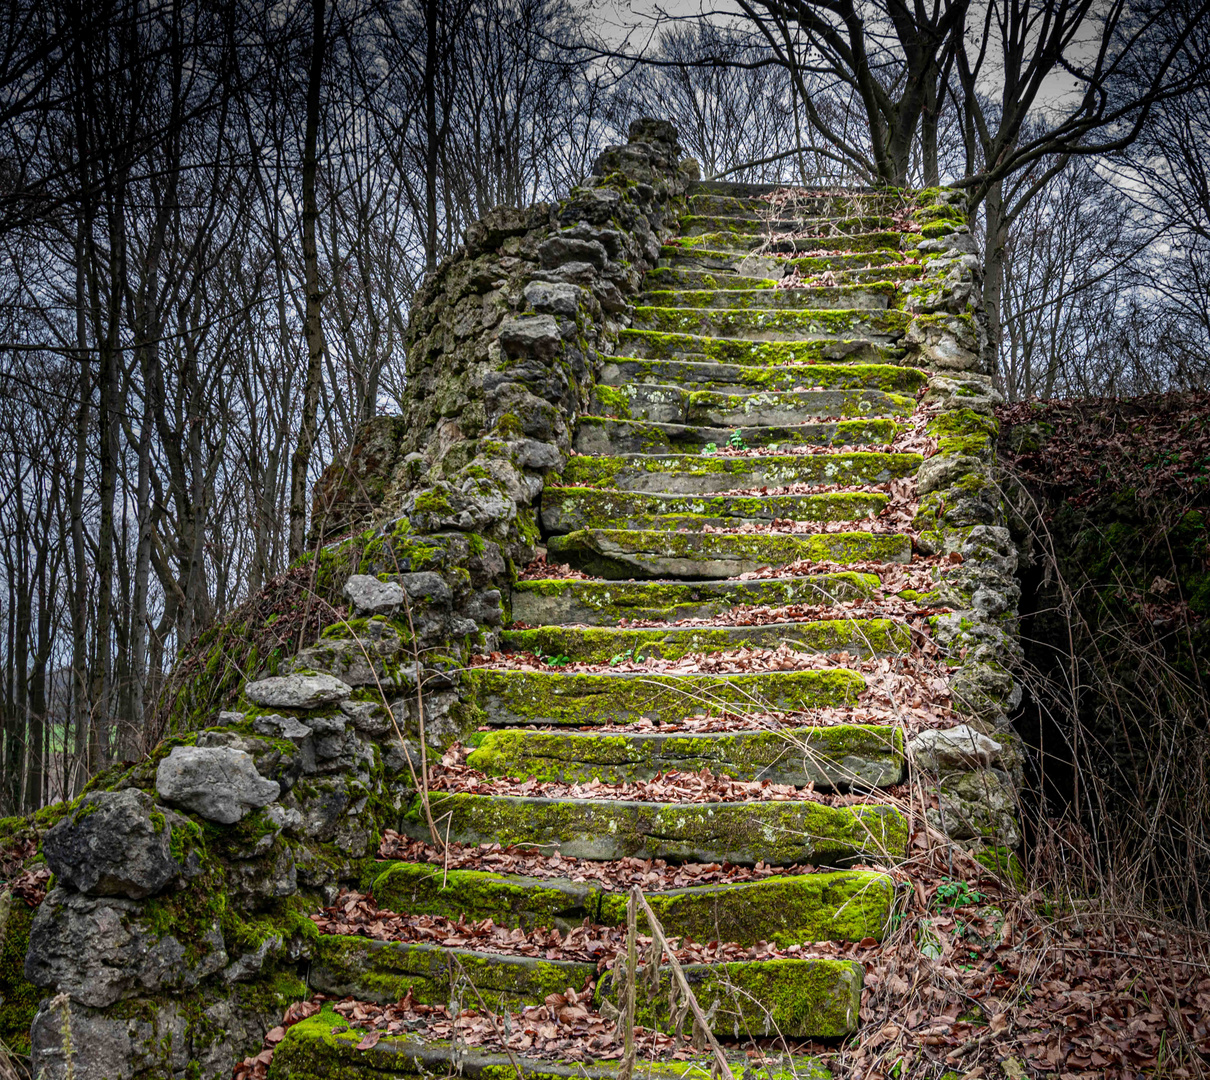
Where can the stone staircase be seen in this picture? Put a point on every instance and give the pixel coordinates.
(664, 516)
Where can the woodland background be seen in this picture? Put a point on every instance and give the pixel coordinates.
(213, 217)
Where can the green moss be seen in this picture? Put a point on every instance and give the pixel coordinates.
(843, 755)
(794, 998)
(781, 833)
(1002, 862)
(433, 501)
(964, 431)
(553, 698)
(385, 971)
(18, 996)
(654, 344)
(725, 323)
(602, 644)
(425, 889)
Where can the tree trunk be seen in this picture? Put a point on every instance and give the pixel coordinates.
(432, 147)
(313, 330)
(993, 269)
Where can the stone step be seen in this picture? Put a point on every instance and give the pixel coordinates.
(604, 435)
(771, 264)
(882, 240)
(790, 909)
(603, 603)
(689, 374)
(851, 297)
(687, 474)
(783, 998)
(654, 344)
(635, 553)
(601, 645)
(839, 758)
(510, 697)
(668, 404)
(841, 324)
(673, 278)
(743, 833)
(737, 201)
(694, 225)
(567, 510)
(323, 1047)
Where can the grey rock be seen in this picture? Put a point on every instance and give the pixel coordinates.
(98, 950)
(219, 783)
(554, 299)
(114, 846)
(247, 967)
(977, 805)
(254, 882)
(565, 249)
(367, 717)
(957, 748)
(281, 727)
(152, 1041)
(297, 691)
(230, 719)
(369, 596)
(531, 454)
(533, 335)
(426, 585)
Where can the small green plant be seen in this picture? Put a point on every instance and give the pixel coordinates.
(955, 894)
(555, 659)
(736, 441)
(623, 657)
(709, 448)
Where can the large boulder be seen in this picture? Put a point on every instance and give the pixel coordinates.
(219, 783)
(297, 691)
(369, 596)
(99, 950)
(117, 843)
(955, 749)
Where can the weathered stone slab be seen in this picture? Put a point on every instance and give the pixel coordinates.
(218, 782)
(384, 971)
(604, 603)
(568, 509)
(318, 1049)
(510, 697)
(297, 691)
(680, 474)
(631, 553)
(600, 645)
(781, 833)
(840, 757)
(606, 435)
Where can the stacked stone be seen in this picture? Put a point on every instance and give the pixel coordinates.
(178, 928)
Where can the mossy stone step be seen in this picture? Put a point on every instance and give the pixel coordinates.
(668, 404)
(743, 200)
(510, 697)
(852, 297)
(837, 227)
(566, 510)
(678, 277)
(836, 758)
(744, 833)
(685, 474)
(840, 324)
(711, 375)
(601, 644)
(312, 1051)
(384, 971)
(605, 435)
(657, 345)
(770, 264)
(855, 242)
(846, 905)
(785, 998)
(597, 603)
(636, 553)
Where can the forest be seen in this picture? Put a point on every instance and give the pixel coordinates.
(214, 217)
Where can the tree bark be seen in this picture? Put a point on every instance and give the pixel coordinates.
(313, 329)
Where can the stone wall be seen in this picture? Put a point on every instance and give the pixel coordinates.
(177, 928)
